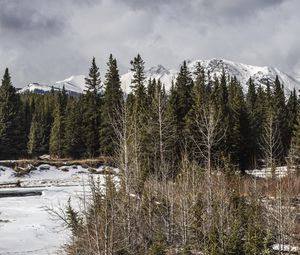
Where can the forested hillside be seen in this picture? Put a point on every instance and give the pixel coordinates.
(211, 120)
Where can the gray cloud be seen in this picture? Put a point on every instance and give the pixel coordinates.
(45, 40)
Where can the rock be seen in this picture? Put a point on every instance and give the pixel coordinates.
(44, 167)
(64, 169)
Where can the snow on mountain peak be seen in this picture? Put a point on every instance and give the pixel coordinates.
(259, 74)
(73, 85)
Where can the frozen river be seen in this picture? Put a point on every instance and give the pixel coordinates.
(26, 227)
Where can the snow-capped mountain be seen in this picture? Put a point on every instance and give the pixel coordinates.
(260, 76)
(243, 72)
(73, 85)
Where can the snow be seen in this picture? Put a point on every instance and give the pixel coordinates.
(259, 74)
(285, 248)
(73, 84)
(267, 172)
(26, 227)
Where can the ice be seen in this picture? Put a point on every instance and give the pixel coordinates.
(26, 226)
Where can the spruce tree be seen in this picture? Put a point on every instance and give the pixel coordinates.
(93, 81)
(35, 138)
(91, 111)
(292, 110)
(251, 139)
(56, 142)
(294, 152)
(280, 117)
(238, 125)
(12, 137)
(183, 85)
(110, 109)
(73, 140)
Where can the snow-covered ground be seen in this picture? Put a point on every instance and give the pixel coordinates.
(279, 172)
(26, 226)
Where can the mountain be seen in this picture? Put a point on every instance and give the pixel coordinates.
(260, 76)
(243, 72)
(74, 85)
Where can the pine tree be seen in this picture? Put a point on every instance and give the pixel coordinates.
(220, 99)
(200, 100)
(280, 117)
(35, 138)
(73, 141)
(12, 137)
(294, 153)
(93, 82)
(183, 85)
(110, 109)
(139, 89)
(91, 111)
(251, 139)
(292, 110)
(238, 125)
(138, 67)
(57, 131)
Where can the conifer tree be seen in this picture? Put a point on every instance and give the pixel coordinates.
(91, 111)
(294, 152)
(35, 138)
(292, 110)
(139, 89)
(183, 85)
(56, 142)
(93, 81)
(12, 137)
(252, 141)
(139, 114)
(222, 106)
(110, 109)
(238, 125)
(200, 99)
(73, 140)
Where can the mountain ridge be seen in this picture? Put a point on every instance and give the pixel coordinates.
(260, 75)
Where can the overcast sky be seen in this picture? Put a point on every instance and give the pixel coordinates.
(46, 41)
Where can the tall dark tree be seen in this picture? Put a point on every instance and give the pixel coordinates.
(93, 81)
(91, 111)
(238, 125)
(73, 138)
(138, 87)
(56, 142)
(280, 116)
(292, 110)
(110, 109)
(183, 86)
(252, 113)
(12, 137)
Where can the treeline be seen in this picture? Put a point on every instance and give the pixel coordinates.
(210, 119)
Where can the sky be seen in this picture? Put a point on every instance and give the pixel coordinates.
(45, 41)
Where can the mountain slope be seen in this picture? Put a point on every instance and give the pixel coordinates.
(243, 72)
(73, 85)
(260, 76)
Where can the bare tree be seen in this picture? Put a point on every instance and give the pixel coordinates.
(211, 132)
(270, 142)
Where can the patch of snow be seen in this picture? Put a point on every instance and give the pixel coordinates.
(267, 172)
(285, 248)
(26, 227)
